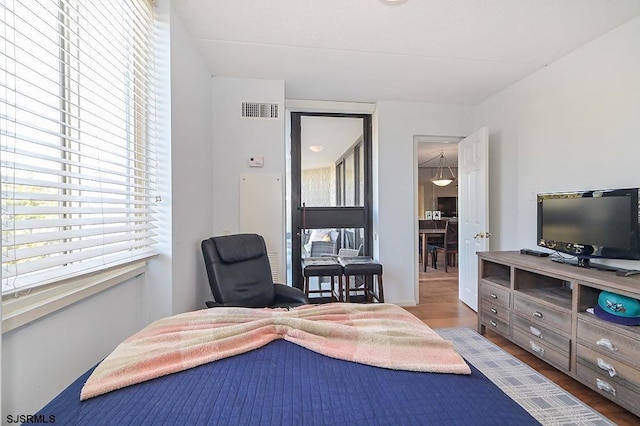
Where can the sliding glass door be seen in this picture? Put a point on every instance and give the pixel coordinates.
(330, 186)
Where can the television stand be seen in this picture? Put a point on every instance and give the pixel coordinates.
(584, 262)
(543, 307)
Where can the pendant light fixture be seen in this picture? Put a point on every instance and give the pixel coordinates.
(442, 178)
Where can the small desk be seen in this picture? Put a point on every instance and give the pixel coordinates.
(425, 234)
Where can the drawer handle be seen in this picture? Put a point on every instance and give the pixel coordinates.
(493, 323)
(535, 331)
(607, 367)
(537, 349)
(494, 296)
(606, 343)
(538, 314)
(602, 385)
(494, 310)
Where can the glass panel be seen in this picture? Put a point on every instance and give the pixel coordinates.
(318, 187)
(325, 141)
(327, 150)
(329, 241)
(360, 176)
(345, 242)
(340, 183)
(350, 180)
(352, 238)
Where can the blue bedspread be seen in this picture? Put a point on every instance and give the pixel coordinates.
(284, 384)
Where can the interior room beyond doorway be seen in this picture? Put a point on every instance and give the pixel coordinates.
(436, 160)
(435, 156)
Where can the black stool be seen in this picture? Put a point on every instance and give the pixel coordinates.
(363, 266)
(324, 266)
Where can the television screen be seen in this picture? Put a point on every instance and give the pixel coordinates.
(591, 223)
(448, 206)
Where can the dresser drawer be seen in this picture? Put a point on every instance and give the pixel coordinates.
(542, 350)
(542, 314)
(537, 332)
(604, 339)
(497, 295)
(495, 310)
(605, 385)
(494, 323)
(616, 371)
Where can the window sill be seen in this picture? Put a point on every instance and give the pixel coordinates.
(18, 311)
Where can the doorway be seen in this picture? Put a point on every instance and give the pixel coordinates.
(472, 208)
(435, 204)
(330, 187)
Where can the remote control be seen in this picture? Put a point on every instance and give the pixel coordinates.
(626, 272)
(534, 252)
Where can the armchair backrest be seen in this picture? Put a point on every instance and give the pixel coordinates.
(238, 270)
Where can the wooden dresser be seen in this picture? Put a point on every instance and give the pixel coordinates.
(541, 306)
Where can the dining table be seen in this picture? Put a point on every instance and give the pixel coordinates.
(424, 234)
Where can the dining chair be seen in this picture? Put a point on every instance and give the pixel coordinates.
(449, 248)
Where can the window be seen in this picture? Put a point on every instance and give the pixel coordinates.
(78, 158)
(350, 176)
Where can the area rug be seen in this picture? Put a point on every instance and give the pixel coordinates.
(544, 400)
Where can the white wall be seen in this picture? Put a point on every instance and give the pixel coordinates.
(236, 139)
(395, 185)
(573, 125)
(191, 170)
(42, 358)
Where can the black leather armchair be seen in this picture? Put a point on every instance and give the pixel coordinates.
(240, 274)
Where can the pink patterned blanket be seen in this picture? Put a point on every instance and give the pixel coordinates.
(381, 335)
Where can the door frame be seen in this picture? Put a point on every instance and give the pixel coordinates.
(417, 141)
(296, 196)
(471, 267)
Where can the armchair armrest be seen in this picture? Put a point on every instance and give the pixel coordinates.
(285, 297)
(289, 295)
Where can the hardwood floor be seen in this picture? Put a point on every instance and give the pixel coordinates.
(439, 307)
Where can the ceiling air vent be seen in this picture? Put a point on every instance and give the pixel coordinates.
(258, 110)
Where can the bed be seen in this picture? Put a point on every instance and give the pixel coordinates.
(285, 383)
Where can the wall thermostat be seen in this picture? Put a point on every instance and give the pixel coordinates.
(256, 161)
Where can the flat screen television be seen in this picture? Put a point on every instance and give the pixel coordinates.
(591, 224)
(448, 206)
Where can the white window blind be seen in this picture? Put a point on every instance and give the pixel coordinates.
(78, 130)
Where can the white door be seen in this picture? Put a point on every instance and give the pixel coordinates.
(473, 212)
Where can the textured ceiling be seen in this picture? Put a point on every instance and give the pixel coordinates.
(444, 51)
